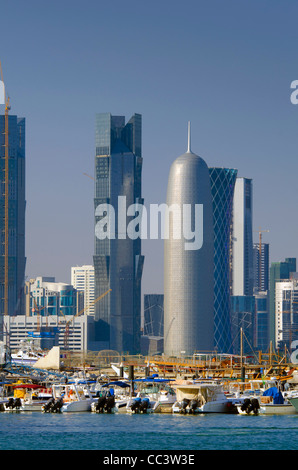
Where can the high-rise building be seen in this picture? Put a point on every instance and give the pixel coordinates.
(118, 262)
(222, 189)
(286, 313)
(278, 271)
(82, 279)
(242, 248)
(188, 266)
(261, 266)
(16, 215)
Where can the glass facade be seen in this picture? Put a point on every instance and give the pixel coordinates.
(278, 271)
(16, 214)
(118, 262)
(222, 188)
(261, 266)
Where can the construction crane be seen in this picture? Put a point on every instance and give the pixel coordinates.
(66, 333)
(38, 309)
(260, 255)
(6, 179)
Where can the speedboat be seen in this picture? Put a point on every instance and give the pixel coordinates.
(153, 395)
(112, 397)
(28, 397)
(72, 397)
(202, 397)
(271, 402)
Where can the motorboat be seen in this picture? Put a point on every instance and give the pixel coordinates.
(202, 397)
(28, 354)
(73, 397)
(112, 397)
(271, 402)
(152, 395)
(28, 397)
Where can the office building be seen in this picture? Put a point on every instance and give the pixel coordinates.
(261, 266)
(118, 262)
(48, 298)
(74, 335)
(188, 266)
(242, 248)
(82, 279)
(286, 313)
(222, 189)
(261, 341)
(16, 216)
(278, 271)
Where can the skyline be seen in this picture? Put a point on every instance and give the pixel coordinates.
(230, 75)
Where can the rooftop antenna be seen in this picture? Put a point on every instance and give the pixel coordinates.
(188, 140)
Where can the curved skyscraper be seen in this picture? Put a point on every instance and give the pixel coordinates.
(222, 189)
(188, 269)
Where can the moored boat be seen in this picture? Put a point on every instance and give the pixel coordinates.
(202, 397)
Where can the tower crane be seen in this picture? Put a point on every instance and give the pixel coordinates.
(6, 179)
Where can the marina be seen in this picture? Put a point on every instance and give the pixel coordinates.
(111, 403)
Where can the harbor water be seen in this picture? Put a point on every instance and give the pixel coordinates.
(92, 431)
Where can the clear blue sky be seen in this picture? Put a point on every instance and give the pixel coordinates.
(226, 66)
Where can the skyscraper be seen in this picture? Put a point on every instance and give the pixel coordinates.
(16, 215)
(261, 266)
(118, 262)
(242, 251)
(188, 270)
(222, 189)
(278, 271)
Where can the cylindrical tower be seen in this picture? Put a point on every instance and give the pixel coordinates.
(189, 269)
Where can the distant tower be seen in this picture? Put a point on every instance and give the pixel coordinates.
(118, 262)
(188, 273)
(16, 215)
(222, 188)
(243, 275)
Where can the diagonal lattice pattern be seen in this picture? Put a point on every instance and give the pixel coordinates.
(222, 188)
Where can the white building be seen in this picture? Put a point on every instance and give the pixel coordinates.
(242, 243)
(82, 279)
(73, 333)
(286, 311)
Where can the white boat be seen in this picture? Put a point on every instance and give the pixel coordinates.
(28, 397)
(271, 402)
(70, 398)
(112, 397)
(153, 395)
(28, 354)
(202, 397)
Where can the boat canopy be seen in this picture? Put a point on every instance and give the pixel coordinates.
(117, 383)
(276, 394)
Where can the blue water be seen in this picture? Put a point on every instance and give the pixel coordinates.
(91, 431)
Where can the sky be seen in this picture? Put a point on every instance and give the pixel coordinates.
(226, 66)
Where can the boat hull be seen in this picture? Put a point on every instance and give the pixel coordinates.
(77, 406)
